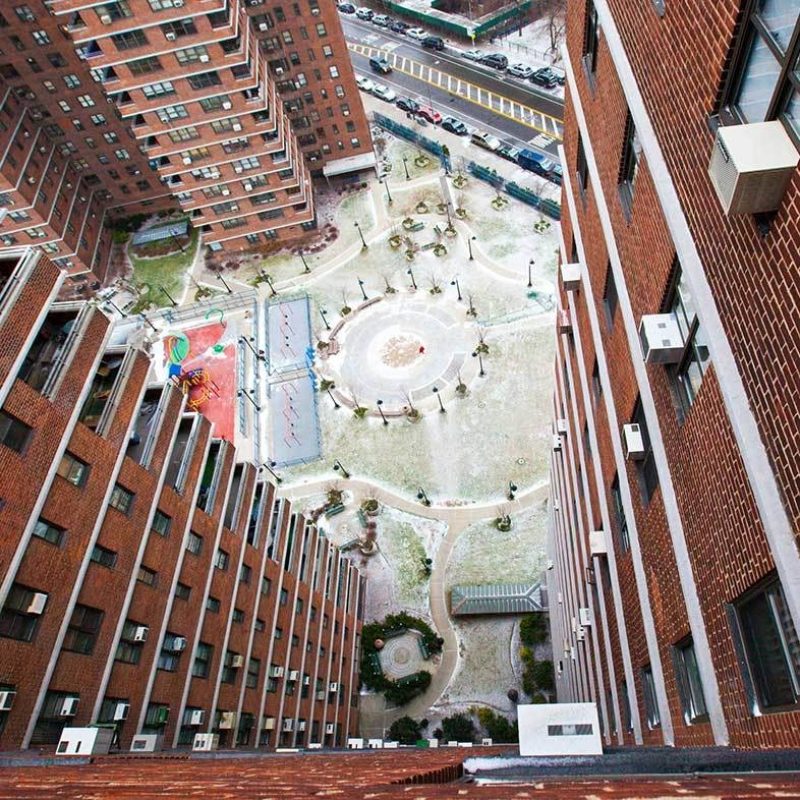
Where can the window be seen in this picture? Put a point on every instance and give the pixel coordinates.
(194, 544)
(253, 669)
(72, 82)
(629, 166)
(213, 605)
(689, 372)
(591, 40)
(129, 39)
(73, 469)
(610, 297)
(161, 523)
(298, 609)
(284, 597)
(771, 646)
(229, 668)
(25, 13)
(103, 556)
(582, 169)
(84, 625)
(171, 113)
(278, 634)
(245, 573)
(147, 576)
(16, 619)
(85, 100)
(204, 80)
(266, 586)
(689, 684)
(144, 66)
(184, 27)
(627, 716)
(130, 645)
(650, 701)
(619, 515)
(260, 625)
(202, 660)
(597, 386)
(121, 499)
(222, 560)
(764, 82)
(49, 532)
(646, 467)
(191, 54)
(238, 616)
(14, 433)
(182, 591)
(159, 89)
(40, 37)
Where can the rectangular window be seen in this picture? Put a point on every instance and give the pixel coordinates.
(144, 66)
(14, 433)
(690, 686)
(202, 660)
(204, 80)
(266, 586)
(245, 573)
(129, 39)
(771, 646)
(147, 576)
(103, 556)
(222, 560)
(253, 669)
(84, 625)
(182, 591)
(629, 166)
(645, 467)
(49, 532)
(591, 40)
(284, 597)
(121, 499)
(158, 89)
(238, 616)
(610, 297)
(582, 169)
(161, 523)
(194, 544)
(597, 386)
(619, 515)
(17, 620)
(72, 469)
(650, 700)
(213, 605)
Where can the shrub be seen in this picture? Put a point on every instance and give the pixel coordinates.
(406, 689)
(497, 726)
(458, 728)
(533, 629)
(405, 730)
(544, 676)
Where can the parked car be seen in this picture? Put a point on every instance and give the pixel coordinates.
(407, 104)
(508, 152)
(556, 174)
(365, 84)
(381, 20)
(454, 126)
(520, 71)
(473, 55)
(398, 26)
(495, 60)
(365, 13)
(430, 114)
(485, 140)
(383, 92)
(536, 162)
(347, 8)
(544, 77)
(416, 33)
(433, 42)
(559, 75)
(380, 64)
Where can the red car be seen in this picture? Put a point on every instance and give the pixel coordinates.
(430, 114)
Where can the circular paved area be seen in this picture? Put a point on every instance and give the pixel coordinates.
(401, 656)
(406, 345)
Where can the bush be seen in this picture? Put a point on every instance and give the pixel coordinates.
(497, 726)
(458, 728)
(405, 730)
(406, 689)
(533, 629)
(544, 675)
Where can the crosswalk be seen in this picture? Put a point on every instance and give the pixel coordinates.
(504, 106)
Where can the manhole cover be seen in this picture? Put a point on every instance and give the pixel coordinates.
(522, 461)
(481, 405)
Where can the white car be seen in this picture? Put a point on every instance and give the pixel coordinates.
(416, 33)
(365, 84)
(383, 92)
(472, 55)
(520, 71)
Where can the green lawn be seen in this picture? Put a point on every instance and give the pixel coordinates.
(167, 271)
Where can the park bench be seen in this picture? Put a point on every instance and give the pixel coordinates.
(417, 226)
(332, 511)
(423, 649)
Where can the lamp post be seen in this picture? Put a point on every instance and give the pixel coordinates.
(147, 322)
(439, 398)
(330, 394)
(247, 340)
(385, 183)
(169, 296)
(339, 467)
(116, 308)
(449, 219)
(224, 283)
(405, 167)
(268, 467)
(470, 240)
(512, 488)
(530, 267)
(455, 283)
(322, 313)
(269, 283)
(413, 282)
(477, 355)
(422, 497)
(380, 409)
(471, 310)
(245, 393)
(361, 286)
(306, 268)
(363, 240)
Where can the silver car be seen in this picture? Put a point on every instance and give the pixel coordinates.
(520, 71)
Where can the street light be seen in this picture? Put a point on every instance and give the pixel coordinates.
(245, 393)
(147, 322)
(380, 409)
(116, 308)
(405, 167)
(339, 467)
(455, 283)
(386, 186)
(330, 394)
(361, 286)
(471, 310)
(322, 313)
(247, 340)
(413, 282)
(363, 240)
(447, 209)
(169, 296)
(477, 355)
(269, 283)
(470, 240)
(220, 278)
(268, 467)
(306, 268)
(512, 487)
(422, 497)
(439, 398)
(530, 266)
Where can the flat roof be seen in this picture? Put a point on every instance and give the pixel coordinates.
(341, 166)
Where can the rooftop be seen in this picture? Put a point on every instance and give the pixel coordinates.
(501, 598)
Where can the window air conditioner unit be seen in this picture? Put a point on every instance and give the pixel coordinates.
(561, 427)
(585, 617)
(632, 442)
(307, 680)
(279, 70)
(276, 672)
(597, 543)
(187, 160)
(7, 700)
(161, 716)
(293, 675)
(238, 169)
(140, 634)
(334, 687)
(330, 728)
(177, 3)
(227, 720)
(564, 324)
(179, 644)
(237, 126)
(248, 187)
(580, 634)
(105, 19)
(262, 26)
(320, 695)
(560, 598)
(301, 725)
(196, 717)
(751, 166)
(121, 711)
(571, 277)
(556, 444)
(288, 725)
(269, 724)
(31, 179)
(227, 105)
(68, 707)
(225, 191)
(170, 36)
(237, 661)
(204, 742)
(37, 604)
(556, 505)
(204, 58)
(661, 339)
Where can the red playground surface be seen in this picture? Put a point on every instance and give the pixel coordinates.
(205, 369)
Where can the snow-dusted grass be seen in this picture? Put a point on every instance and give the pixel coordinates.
(393, 154)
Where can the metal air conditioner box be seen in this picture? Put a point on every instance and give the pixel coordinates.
(597, 543)
(661, 339)
(205, 742)
(121, 711)
(633, 442)
(269, 724)
(556, 443)
(585, 617)
(146, 743)
(227, 719)
(751, 166)
(7, 700)
(561, 426)
(564, 323)
(571, 277)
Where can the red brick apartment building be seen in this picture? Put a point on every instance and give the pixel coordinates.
(220, 107)
(149, 579)
(675, 575)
